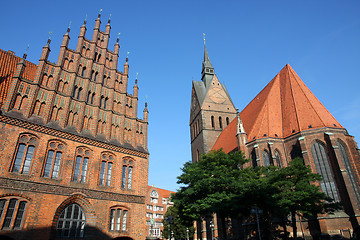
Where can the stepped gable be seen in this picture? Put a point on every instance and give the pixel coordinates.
(284, 107)
(8, 62)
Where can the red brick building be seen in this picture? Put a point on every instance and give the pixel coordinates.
(73, 153)
(157, 202)
(283, 121)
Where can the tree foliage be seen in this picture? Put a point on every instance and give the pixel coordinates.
(218, 183)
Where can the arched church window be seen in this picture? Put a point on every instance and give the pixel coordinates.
(212, 122)
(323, 167)
(266, 158)
(277, 158)
(71, 222)
(349, 170)
(220, 123)
(227, 121)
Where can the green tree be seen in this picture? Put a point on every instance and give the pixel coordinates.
(209, 184)
(296, 194)
(177, 224)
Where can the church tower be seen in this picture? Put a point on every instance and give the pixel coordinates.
(211, 110)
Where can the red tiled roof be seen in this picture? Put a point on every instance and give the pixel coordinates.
(8, 62)
(284, 107)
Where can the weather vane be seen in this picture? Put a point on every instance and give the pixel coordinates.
(27, 49)
(137, 74)
(109, 16)
(50, 33)
(69, 25)
(100, 11)
(204, 38)
(118, 35)
(127, 54)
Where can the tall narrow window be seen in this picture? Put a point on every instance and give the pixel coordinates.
(83, 71)
(349, 170)
(220, 123)
(24, 154)
(81, 165)
(53, 160)
(277, 158)
(227, 121)
(106, 169)
(12, 213)
(74, 91)
(323, 167)
(212, 122)
(266, 158)
(127, 174)
(118, 219)
(71, 222)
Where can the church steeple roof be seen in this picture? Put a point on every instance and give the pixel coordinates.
(207, 71)
(286, 106)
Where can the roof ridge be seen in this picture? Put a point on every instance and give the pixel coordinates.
(292, 96)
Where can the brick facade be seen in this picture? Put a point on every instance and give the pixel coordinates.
(73, 153)
(285, 120)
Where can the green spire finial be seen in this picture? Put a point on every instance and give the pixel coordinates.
(69, 25)
(137, 74)
(127, 54)
(204, 38)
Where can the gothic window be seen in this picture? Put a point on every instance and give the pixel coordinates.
(71, 222)
(95, 57)
(105, 102)
(24, 154)
(266, 158)
(60, 87)
(102, 101)
(323, 167)
(277, 158)
(81, 165)
(254, 159)
(227, 121)
(49, 81)
(99, 56)
(220, 123)
(127, 173)
(92, 98)
(53, 160)
(83, 71)
(95, 77)
(106, 169)
(212, 122)
(74, 91)
(103, 80)
(92, 74)
(79, 93)
(44, 79)
(88, 98)
(118, 219)
(349, 170)
(12, 213)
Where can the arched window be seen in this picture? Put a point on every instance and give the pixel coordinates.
(92, 98)
(220, 123)
(53, 160)
(323, 167)
(118, 219)
(212, 122)
(349, 170)
(70, 64)
(24, 154)
(83, 71)
(106, 169)
(74, 91)
(227, 121)
(105, 102)
(266, 158)
(88, 97)
(102, 101)
(95, 77)
(95, 57)
(81, 165)
(99, 57)
(127, 173)
(254, 159)
(277, 158)
(71, 222)
(103, 80)
(12, 213)
(92, 75)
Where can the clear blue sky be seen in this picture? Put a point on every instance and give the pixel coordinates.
(248, 42)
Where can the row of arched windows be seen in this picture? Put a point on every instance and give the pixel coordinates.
(322, 165)
(24, 155)
(70, 223)
(220, 122)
